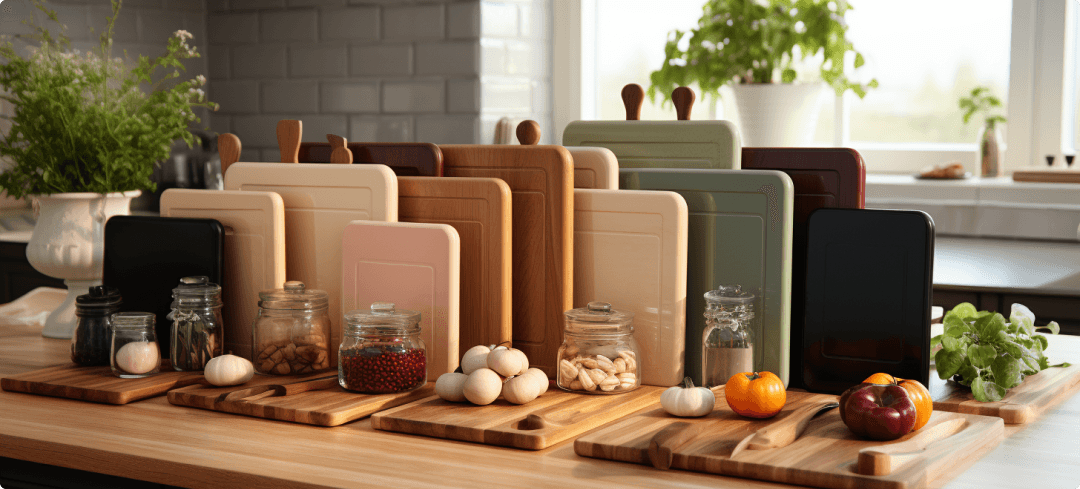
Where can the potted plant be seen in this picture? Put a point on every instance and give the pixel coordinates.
(758, 46)
(86, 132)
(982, 101)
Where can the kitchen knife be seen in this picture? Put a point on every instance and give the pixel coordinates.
(273, 390)
(883, 459)
(785, 431)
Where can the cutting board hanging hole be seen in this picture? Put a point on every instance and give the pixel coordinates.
(683, 98)
(228, 150)
(633, 96)
(341, 152)
(288, 139)
(528, 132)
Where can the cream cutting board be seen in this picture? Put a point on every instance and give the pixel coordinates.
(416, 267)
(594, 168)
(320, 200)
(630, 251)
(254, 225)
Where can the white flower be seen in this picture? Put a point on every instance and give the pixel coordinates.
(183, 35)
(200, 80)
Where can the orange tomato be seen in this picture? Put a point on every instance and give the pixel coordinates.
(755, 395)
(920, 396)
(881, 379)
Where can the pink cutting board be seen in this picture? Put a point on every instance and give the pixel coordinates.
(320, 200)
(594, 167)
(254, 259)
(630, 251)
(416, 267)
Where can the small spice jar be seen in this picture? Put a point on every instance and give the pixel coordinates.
(599, 354)
(197, 331)
(93, 311)
(729, 337)
(291, 334)
(382, 351)
(134, 350)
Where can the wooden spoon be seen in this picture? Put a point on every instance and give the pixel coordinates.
(883, 459)
(783, 432)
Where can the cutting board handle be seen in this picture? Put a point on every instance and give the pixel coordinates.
(228, 150)
(528, 132)
(683, 98)
(341, 152)
(632, 97)
(288, 139)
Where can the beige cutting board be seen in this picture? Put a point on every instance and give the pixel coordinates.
(594, 168)
(320, 200)
(630, 251)
(415, 266)
(254, 259)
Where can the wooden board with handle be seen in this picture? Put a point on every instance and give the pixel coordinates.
(479, 209)
(1047, 175)
(1022, 404)
(594, 167)
(825, 455)
(541, 183)
(97, 384)
(555, 416)
(406, 159)
(332, 406)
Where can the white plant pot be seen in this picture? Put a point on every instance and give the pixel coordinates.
(778, 114)
(69, 243)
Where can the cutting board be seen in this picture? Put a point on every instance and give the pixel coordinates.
(254, 225)
(824, 456)
(479, 209)
(1047, 175)
(328, 407)
(630, 251)
(416, 267)
(541, 183)
(661, 144)
(1022, 404)
(97, 384)
(740, 229)
(555, 416)
(320, 200)
(594, 167)
(406, 159)
(823, 178)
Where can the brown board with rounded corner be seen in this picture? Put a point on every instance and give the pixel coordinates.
(97, 384)
(406, 159)
(1022, 404)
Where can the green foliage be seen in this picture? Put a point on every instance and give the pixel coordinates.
(758, 41)
(89, 122)
(981, 350)
(982, 101)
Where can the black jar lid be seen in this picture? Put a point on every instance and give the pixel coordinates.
(100, 296)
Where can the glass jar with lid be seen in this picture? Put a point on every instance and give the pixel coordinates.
(381, 351)
(599, 354)
(133, 351)
(730, 335)
(197, 332)
(291, 334)
(93, 321)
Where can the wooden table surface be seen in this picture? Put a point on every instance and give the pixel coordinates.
(154, 441)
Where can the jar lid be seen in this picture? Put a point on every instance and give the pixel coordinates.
(100, 296)
(729, 295)
(382, 314)
(294, 295)
(197, 287)
(598, 316)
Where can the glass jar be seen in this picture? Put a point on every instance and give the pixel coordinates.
(93, 311)
(134, 350)
(381, 351)
(291, 334)
(197, 331)
(730, 335)
(599, 354)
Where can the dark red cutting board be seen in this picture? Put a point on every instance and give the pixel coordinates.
(406, 159)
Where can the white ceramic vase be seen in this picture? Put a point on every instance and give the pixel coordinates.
(778, 114)
(69, 243)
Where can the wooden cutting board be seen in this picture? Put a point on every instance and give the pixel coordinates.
(1047, 175)
(541, 182)
(630, 251)
(97, 384)
(406, 159)
(555, 416)
(320, 200)
(416, 267)
(479, 209)
(1022, 404)
(825, 455)
(328, 407)
(254, 225)
(594, 168)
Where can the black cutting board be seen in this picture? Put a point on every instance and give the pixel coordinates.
(868, 296)
(146, 256)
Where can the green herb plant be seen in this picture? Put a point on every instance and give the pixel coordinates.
(91, 122)
(981, 350)
(982, 101)
(759, 41)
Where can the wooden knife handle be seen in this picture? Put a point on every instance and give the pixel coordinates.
(664, 443)
(340, 152)
(228, 150)
(785, 431)
(632, 97)
(683, 98)
(528, 132)
(883, 459)
(288, 139)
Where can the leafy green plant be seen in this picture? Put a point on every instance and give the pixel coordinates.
(982, 101)
(89, 122)
(758, 41)
(981, 350)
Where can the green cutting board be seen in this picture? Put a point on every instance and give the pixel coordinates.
(740, 228)
(662, 144)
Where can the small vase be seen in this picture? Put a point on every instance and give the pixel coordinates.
(778, 114)
(990, 151)
(69, 243)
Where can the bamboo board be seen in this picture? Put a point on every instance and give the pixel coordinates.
(1022, 404)
(1047, 175)
(97, 384)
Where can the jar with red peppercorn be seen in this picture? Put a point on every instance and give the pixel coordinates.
(381, 351)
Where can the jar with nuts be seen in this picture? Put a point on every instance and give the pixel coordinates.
(598, 354)
(291, 334)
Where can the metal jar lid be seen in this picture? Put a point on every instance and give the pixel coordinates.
(197, 291)
(598, 317)
(383, 315)
(729, 295)
(294, 296)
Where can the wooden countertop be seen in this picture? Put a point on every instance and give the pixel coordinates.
(154, 441)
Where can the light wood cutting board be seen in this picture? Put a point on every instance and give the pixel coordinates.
(594, 168)
(541, 181)
(320, 200)
(555, 416)
(630, 251)
(1047, 175)
(97, 384)
(254, 225)
(479, 209)
(416, 267)
(1022, 404)
(825, 455)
